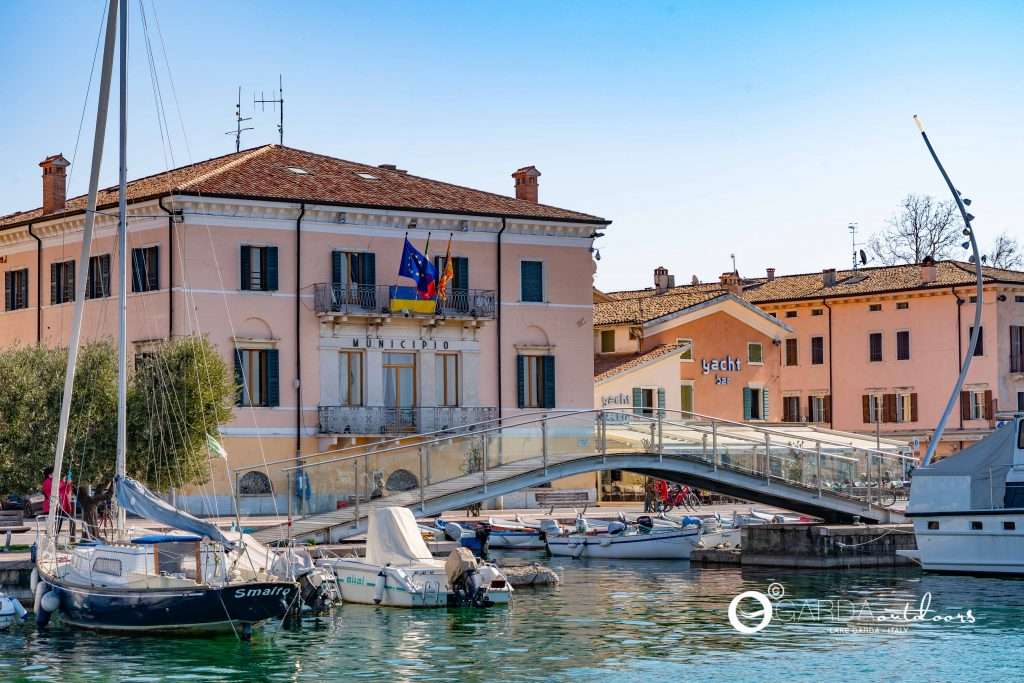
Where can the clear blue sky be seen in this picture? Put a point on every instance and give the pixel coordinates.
(700, 129)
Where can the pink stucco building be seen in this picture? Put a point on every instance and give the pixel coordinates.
(288, 261)
(873, 349)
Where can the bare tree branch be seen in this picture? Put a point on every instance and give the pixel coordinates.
(922, 227)
(1005, 253)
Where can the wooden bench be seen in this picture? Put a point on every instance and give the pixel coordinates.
(563, 499)
(12, 522)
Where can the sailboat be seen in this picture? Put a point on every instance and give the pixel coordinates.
(196, 577)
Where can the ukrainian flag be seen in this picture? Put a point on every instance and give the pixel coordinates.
(408, 299)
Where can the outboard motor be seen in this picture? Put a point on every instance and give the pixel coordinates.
(483, 536)
(464, 578)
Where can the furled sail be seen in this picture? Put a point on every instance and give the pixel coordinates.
(139, 500)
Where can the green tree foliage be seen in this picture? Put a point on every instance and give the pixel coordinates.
(178, 393)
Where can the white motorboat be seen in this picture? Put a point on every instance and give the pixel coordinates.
(632, 542)
(400, 571)
(968, 510)
(514, 535)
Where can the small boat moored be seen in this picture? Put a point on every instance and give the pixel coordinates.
(642, 541)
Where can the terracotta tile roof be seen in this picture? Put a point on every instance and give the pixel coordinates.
(266, 173)
(626, 306)
(640, 309)
(608, 365)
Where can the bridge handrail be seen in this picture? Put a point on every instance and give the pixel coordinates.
(449, 433)
(760, 429)
(548, 417)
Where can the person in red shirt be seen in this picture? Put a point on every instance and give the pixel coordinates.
(64, 495)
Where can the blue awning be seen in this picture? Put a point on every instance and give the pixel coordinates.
(166, 538)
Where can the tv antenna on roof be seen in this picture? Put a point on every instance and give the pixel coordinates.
(733, 257)
(859, 257)
(262, 101)
(237, 132)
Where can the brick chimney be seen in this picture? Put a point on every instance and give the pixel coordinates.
(771, 275)
(54, 183)
(828, 277)
(662, 280)
(526, 183)
(731, 282)
(929, 271)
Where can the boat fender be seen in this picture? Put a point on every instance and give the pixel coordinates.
(378, 590)
(33, 580)
(50, 601)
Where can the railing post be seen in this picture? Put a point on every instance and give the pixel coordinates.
(422, 450)
(714, 444)
(661, 439)
(544, 442)
(355, 487)
(483, 458)
(817, 466)
(768, 457)
(602, 431)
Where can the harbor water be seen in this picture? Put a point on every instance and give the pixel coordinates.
(607, 621)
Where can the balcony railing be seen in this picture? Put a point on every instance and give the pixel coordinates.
(385, 420)
(377, 300)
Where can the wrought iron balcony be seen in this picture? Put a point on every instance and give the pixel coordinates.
(375, 300)
(385, 420)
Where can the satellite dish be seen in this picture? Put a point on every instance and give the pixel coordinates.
(863, 257)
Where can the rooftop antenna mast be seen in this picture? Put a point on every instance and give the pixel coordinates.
(279, 101)
(733, 257)
(859, 257)
(237, 132)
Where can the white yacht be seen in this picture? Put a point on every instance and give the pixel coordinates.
(968, 510)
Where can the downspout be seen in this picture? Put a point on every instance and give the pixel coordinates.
(298, 346)
(959, 342)
(497, 313)
(170, 267)
(39, 285)
(832, 398)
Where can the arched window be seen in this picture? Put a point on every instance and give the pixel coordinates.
(402, 480)
(254, 484)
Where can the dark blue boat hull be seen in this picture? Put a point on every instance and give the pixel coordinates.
(200, 608)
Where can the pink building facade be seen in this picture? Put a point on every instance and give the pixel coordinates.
(288, 261)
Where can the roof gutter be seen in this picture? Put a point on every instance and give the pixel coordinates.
(39, 284)
(298, 332)
(170, 264)
(497, 311)
(831, 395)
(959, 340)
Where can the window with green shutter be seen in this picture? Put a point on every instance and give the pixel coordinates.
(16, 289)
(62, 282)
(535, 381)
(607, 341)
(146, 269)
(98, 283)
(257, 373)
(531, 281)
(259, 268)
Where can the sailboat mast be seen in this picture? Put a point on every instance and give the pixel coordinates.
(122, 270)
(83, 270)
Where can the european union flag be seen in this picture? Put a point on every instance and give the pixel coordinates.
(416, 266)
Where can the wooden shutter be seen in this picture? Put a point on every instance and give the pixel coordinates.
(8, 291)
(965, 405)
(153, 270)
(810, 408)
(336, 268)
(273, 378)
(239, 378)
(105, 275)
(989, 406)
(531, 280)
(748, 400)
(827, 417)
(368, 266)
(53, 284)
(246, 269)
(69, 281)
(889, 408)
(661, 401)
(461, 274)
(764, 404)
(270, 273)
(638, 401)
(520, 381)
(913, 407)
(865, 405)
(549, 381)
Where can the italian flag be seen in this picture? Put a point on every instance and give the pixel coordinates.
(216, 449)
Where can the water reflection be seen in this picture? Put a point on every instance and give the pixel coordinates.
(608, 621)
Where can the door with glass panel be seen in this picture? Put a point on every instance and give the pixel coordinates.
(400, 391)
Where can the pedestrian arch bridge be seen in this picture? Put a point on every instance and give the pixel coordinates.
(828, 474)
